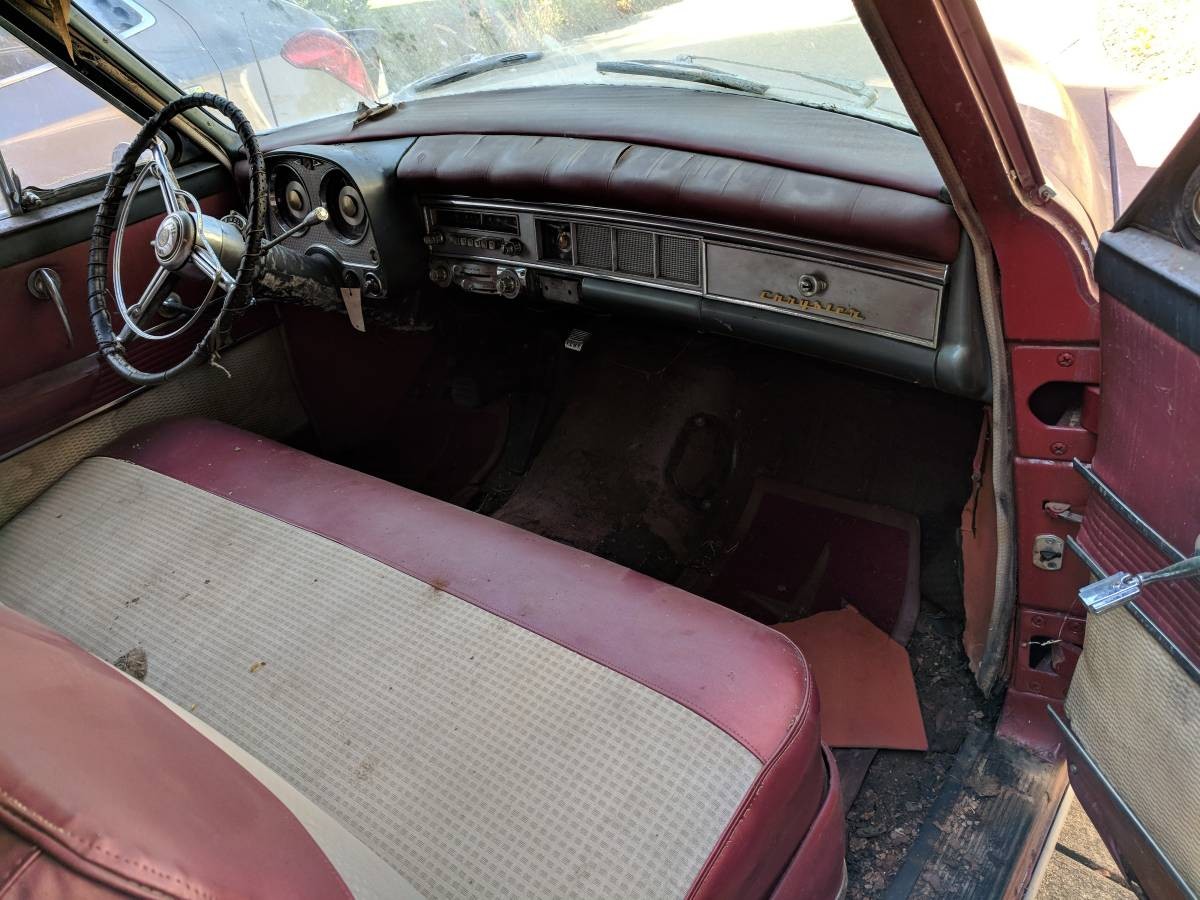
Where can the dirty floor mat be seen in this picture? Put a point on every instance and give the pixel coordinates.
(799, 552)
(656, 454)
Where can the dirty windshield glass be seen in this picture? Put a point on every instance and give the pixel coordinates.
(286, 62)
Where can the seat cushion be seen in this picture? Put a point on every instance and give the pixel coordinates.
(493, 713)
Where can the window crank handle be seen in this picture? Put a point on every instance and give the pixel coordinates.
(1121, 587)
(1185, 568)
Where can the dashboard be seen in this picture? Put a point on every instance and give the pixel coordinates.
(866, 274)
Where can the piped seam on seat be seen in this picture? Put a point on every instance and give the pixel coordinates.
(18, 869)
(14, 809)
(753, 793)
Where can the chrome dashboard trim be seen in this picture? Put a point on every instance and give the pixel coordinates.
(936, 312)
(911, 271)
(887, 262)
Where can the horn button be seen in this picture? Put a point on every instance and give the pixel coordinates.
(174, 240)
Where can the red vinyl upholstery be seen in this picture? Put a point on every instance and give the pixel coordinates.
(744, 678)
(104, 792)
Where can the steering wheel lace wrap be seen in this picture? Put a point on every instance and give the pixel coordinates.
(112, 214)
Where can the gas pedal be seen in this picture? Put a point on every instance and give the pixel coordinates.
(576, 339)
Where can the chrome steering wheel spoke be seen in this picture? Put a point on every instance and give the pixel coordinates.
(161, 284)
(181, 243)
(165, 176)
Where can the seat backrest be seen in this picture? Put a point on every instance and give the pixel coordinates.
(104, 791)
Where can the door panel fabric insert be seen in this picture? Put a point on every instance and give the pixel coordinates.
(1137, 713)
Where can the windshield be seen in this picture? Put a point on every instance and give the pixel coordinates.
(286, 63)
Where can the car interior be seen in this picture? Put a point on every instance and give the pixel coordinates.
(572, 491)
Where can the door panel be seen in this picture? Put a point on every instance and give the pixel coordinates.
(1150, 414)
(1132, 729)
(46, 381)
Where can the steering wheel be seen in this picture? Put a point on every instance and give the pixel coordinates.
(187, 244)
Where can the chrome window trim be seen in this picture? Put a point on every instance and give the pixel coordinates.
(145, 20)
(1165, 547)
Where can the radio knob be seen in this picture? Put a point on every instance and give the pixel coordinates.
(439, 274)
(512, 247)
(372, 286)
(434, 239)
(508, 285)
(811, 285)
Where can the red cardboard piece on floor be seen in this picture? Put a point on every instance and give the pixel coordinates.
(868, 698)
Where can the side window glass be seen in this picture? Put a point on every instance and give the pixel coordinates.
(54, 131)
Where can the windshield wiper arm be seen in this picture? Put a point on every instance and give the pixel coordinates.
(470, 69)
(866, 94)
(681, 71)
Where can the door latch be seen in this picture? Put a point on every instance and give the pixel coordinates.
(1048, 552)
(1118, 589)
(1062, 511)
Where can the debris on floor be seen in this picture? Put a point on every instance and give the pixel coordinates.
(134, 663)
(902, 786)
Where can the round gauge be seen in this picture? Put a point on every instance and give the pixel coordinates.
(347, 209)
(289, 196)
(351, 207)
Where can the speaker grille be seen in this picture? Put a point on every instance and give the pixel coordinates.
(593, 246)
(635, 252)
(679, 259)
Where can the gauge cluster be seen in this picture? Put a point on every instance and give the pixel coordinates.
(297, 184)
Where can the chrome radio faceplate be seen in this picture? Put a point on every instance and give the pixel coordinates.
(891, 296)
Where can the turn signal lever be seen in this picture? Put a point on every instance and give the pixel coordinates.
(315, 215)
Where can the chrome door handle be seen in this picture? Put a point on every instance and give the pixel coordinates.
(1118, 589)
(44, 284)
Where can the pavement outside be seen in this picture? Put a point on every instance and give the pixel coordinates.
(1081, 867)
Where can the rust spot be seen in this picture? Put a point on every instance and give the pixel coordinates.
(439, 584)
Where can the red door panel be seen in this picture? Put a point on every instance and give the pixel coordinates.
(1131, 721)
(1150, 419)
(45, 381)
